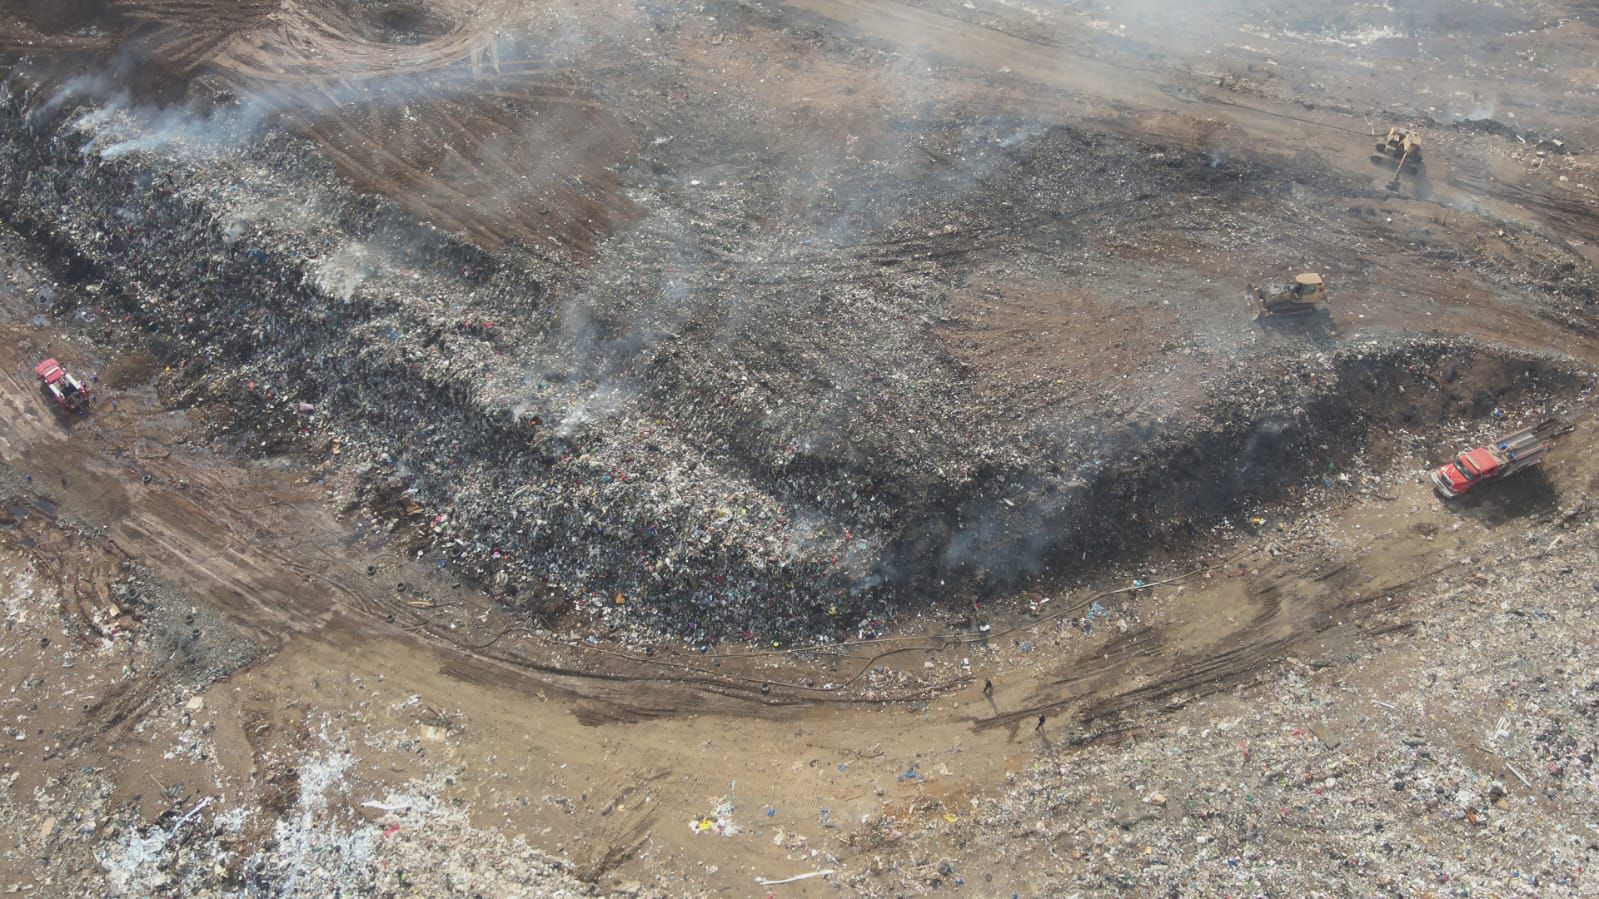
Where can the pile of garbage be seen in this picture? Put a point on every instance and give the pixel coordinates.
(578, 438)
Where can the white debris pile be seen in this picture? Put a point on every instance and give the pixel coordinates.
(321, 846)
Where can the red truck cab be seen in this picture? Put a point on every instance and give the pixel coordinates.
(1455, 478)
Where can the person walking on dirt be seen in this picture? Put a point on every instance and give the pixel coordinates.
(988, 688)
(1040, 727)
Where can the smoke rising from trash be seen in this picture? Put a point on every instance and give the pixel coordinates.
(707, 360)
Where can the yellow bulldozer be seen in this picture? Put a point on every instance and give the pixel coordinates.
(1308, 294)
(1400, 149)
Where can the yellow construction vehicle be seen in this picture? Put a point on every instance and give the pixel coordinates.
(1402, 150)
(1306, 295)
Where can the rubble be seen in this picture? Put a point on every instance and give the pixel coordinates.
(546, 464)
(907, 345)
(203, 843)
(1454, 755)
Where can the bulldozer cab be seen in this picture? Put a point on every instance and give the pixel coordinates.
(1399, 139)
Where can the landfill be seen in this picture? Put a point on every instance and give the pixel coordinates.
(445, 392)
(797, 447)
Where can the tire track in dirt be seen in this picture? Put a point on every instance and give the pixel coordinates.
(1106, 94)
(442, 123)
(1566, 213)
(256, 554)
(1260, 612)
